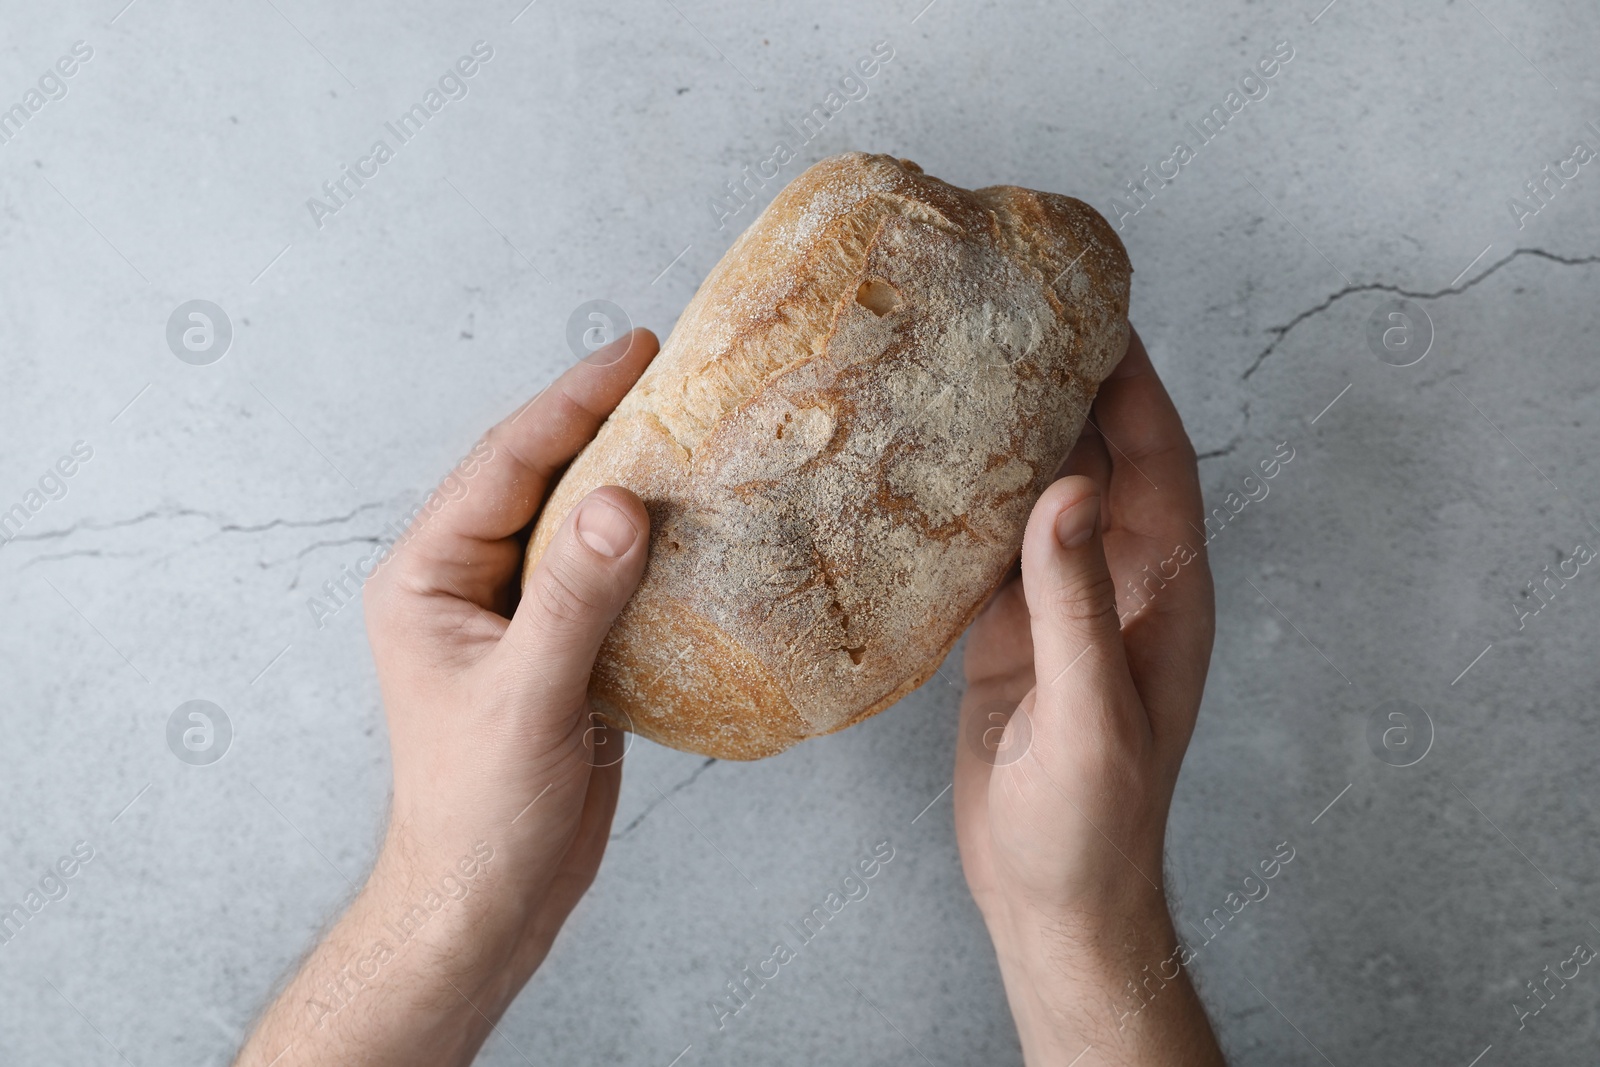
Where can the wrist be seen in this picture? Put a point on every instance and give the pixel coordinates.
(1090, 954)
(1084, 975)
(429, 952)
(454, 908)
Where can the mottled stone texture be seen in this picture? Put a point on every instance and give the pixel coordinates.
(587, 153)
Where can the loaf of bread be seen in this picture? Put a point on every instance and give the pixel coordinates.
(839, 445)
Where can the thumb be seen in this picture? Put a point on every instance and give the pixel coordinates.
(1081, 668)
(581, 583)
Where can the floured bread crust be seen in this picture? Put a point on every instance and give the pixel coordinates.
(839, 446)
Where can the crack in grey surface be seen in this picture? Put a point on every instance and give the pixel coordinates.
(186, 513)
(675, 790)
(361, 539)
(82, 553)
(1280, 332)
(1216, 453)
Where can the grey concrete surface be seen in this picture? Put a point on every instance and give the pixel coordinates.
(1390, 560)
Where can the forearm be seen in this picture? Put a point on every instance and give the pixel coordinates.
(1111, 982)
(415, 972)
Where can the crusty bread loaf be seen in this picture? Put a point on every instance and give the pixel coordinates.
(839, 446)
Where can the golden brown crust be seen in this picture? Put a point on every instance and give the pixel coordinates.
(839, 446)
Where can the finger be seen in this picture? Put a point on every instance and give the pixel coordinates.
(1080, 668)
(1153, 469)
(605, 747)
(1155, 539)
(1089, 457)
(976, 728)
(996, 731)
(576, 869)
(999, 648)
(453, 549)
(582, 581)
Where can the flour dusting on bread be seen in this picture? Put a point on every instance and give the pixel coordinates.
(839, 446)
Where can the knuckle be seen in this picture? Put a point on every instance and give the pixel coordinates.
(1111, 749)
(1085, 599)
(1182, 449)
(497, 436)
(563, 594)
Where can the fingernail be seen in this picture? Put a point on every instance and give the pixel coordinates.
(604, 528)
(1076, 525)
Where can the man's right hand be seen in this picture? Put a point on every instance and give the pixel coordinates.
(1084, 678)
